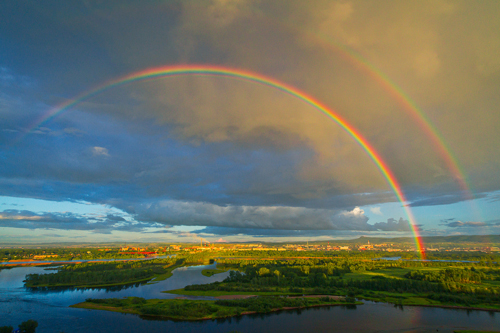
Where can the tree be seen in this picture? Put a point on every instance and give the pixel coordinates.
(6, 329)
(277, 273)
(263, 271)
(28, 326)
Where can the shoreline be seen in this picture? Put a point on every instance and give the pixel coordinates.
(85, 305)
(456, 307)
(91, 306)
(443, 306)
(145, 280)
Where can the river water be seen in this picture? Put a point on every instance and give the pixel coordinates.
(50, 309)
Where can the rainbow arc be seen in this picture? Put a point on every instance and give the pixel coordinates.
(210, 70)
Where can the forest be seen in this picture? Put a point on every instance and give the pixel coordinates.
(104, 273)
(401, 282)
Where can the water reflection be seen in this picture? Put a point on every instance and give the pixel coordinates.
(399, 306)
(46, 290)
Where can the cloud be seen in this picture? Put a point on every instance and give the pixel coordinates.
(460, 224)
(26, 217)
(99, 151)
(173, 212)
(493, 197)
(393, 225)
(117, 218)
(413, 51)
(212, 151)
(8, 78)
(74, 131)
(454, 223)
(52, 235)
(229, 231)
(243, 233)
(445, 199)
(376, 210)
(69, 221)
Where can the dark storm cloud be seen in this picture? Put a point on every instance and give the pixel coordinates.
(400, 225)
(173, 212)
(99, 168)
(222, 152)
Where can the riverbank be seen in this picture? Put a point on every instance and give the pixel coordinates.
(194, 310)
(420, 300)
(391, 298)
(468, 331)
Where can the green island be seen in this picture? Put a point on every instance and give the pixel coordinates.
(105, 274)
(180, 309)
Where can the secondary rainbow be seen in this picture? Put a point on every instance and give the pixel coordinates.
(210, 70)
(398, 94)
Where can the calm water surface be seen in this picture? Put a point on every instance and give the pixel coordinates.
(50, 309)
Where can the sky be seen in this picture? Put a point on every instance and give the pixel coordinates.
(225, 158)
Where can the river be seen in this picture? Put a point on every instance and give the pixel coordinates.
(50, 309)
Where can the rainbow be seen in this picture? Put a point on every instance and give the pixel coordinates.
(396, 92)
(210, 70)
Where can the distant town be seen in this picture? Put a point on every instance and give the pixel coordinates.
(93, 251)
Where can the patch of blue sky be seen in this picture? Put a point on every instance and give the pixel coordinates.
(41, 206)
(465, 211)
